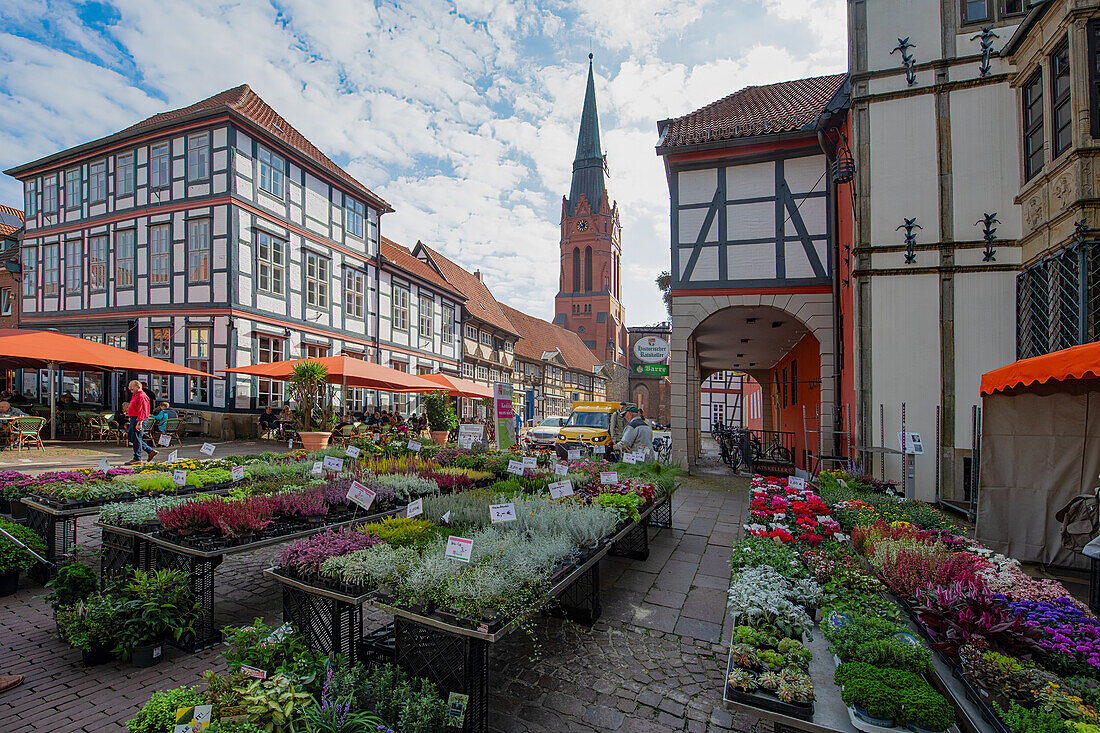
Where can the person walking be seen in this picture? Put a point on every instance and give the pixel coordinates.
(138, 411)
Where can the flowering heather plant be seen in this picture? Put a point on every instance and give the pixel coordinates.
(237, 519)
(297, 504)
(966, 613)
(194, 516)
(307, 555)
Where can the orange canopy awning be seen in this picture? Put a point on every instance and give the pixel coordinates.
(1076, 362)
(29, 349)
(457, 387)
(344, 370)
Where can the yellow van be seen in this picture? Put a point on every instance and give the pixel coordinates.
(591, 424)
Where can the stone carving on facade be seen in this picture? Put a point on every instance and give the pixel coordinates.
(1033, 213)
(1087, 181)
(1060, 189)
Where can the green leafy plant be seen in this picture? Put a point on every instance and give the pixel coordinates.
(1023, 720)
(402, 531)
(625, 504)
(406, 704)
(275, 704)
(441, 411)
(308, 382)
(12, 557)
(91, 622)
(874, 697)
(159, 714)
(74, 582)
(155, 605)
(742, 679)
(274, 650)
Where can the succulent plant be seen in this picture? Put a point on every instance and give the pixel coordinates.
(744, 655)
(742, 679)
(769, 680)
(796, 690)
(773, 660)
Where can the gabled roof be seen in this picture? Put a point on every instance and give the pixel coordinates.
(480, 302)
(8, 219)
(539, 337)
(240, 102)
(403, 259)
(764, 110)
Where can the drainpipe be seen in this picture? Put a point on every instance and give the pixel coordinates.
(837, 336)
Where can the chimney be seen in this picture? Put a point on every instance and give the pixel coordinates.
(477, 274)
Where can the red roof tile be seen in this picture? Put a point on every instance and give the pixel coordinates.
(480, 303)
(539, 336)
(764, 110)
(404, 259)
(6, 228)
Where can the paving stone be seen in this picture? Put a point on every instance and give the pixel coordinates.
(707, 604)
(604, 718)
(702, 580)
(666, 598)
(656, 617)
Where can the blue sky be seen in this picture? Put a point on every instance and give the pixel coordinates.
(462, 114)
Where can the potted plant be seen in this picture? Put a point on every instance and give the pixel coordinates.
(307, 383)
(90, 626)
(73, 584)
(15, 559)
(441, 415)
(155, 605)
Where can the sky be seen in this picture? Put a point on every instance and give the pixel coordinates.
(463, 114)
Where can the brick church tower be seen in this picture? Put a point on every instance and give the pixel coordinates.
(588, 300)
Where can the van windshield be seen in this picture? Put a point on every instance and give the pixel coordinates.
(588, 420)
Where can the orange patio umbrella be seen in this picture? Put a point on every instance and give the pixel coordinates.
(457, 387)
(25, 348)
(346, 371)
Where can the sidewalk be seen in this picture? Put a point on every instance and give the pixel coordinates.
(60, 455)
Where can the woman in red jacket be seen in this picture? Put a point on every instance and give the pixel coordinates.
(138, 411)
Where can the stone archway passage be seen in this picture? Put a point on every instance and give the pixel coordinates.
(715, 332)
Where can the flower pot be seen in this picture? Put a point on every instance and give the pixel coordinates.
(868, 718)
(314, 441)
(146, 655)
(98, 654)
(18, 509)
(440, 436)
(5, 506)
(9, 582)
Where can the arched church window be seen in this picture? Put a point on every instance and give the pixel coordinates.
(576, 269)
(588, 269)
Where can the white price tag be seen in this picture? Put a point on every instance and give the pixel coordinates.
(352, 451)
(796, 483)
(459, 548)
(415, 508)
(103, 465)
(446, 518)
(515, 467)
(173, 456)
(502, 512)
(599, 449)
(290, 444)
(609, 477)
(414, 446)
(318, 468)
(375, 436)
(558, 489)
(164, 441)
(333, 463)
(238, 473)
(179, 477)
(530, 462)
(466, 441)
(360, 494)
(629, 458)
(560, 470)
(574, 454)
(207, 449)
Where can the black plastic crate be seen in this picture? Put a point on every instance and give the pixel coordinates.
(580, 602)
(378, 647)
(633, 545)
(455, 663)
(327, 625)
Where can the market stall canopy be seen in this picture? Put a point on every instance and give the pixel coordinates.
(457, 387)
(39, 349)
(1076, 362)
(346, 371)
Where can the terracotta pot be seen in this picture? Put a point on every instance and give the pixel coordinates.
(314, 441)
(440, 436)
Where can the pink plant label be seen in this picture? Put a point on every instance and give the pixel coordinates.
(360, 494)
(574, 454)
(260, 674)
(560, 470)
(238, 473)
(459, 548)
(609, 477)
(414, 446)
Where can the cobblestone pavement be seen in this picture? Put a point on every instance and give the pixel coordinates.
(654, 660)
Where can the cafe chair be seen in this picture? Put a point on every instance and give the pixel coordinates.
(172, 430)
(26, 431)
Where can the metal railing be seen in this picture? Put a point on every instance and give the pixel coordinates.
(1058, 301)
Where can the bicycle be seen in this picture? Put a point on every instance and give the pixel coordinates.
(662, 447)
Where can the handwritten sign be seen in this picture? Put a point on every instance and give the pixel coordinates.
(629, 458)
(238, 473)
(179, 477)
(207, 449)
(459, 548)
(560, 470)
(260, 674)
(164, 441)
(530, 462)
(796, 483)
(173, 456)
(559, 489)
(415, 508)
(333, 463)
(609, 477)
(601, 449)
(360, 494)
(103, 465)
(352, 452)
(502, 512)
(473, 431)
(574, 454)
(414, 446)
(375, 436)
(318, 468)
(515, 467)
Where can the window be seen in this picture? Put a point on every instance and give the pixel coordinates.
(483, 372)
(400, 314)
(30, 198)
(448, 324)
(353, 216)
(317, 277)
(783, 387)
(5, 302)
(315, 351)
(269, 259)
(97, 182)
(471, 332)
(124, 174)
(74, 267)
(486, 338)
(494, 375)
(1013, 7)
(468, 371)
(509, 347)
(159, 384)
(198, 250)
(72, 188)
(576, 269)
(269, 391)
(160, 255)
(588, 269)
(198, 157)
(1033, 125)
(198, 357)
(124, 258)
(118, 340)
(794, 382)
(160, 342)
(97, 269)
(160, 174)
(271, 172)
(354, 284)
(975, 11)
(49, 194)
(29, 261)
(427, 316)
(1060, 112)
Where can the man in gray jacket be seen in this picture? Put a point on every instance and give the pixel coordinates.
(638, 436)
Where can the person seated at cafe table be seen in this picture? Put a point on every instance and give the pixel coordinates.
(163, 414)
(286, 415)
(6, 410)
(269, 421)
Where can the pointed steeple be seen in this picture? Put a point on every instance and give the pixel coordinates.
(588, 165)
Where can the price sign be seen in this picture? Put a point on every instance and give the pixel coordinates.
(103, 465)
(238, 473)
(173, 456)
(796, 483)
(558, 489)
(207, 449)
(360, 494)
(414, 446)
(318, 468)
(466, 441)
(515, 467)
(415, 508)
(290, 444)
(609, 477)
(629, 458)
(601, 449)
(260, 674)
(333, 463)
(574, 454)
(193, 719)
(352, 452)
(164, 441)
(179, 477)
(459, 548)
(560, 470)
(530, 462)
(446, 518)
(502, 512)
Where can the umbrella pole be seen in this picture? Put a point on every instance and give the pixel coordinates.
(53, 402)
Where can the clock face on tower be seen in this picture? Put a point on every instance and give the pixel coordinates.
(582, 225)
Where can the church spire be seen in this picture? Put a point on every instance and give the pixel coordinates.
(588, 165)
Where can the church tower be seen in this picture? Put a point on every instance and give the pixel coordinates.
(588, 301)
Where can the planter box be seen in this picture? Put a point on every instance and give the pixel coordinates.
(766, 701)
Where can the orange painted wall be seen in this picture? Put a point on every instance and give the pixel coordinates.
(845, 218)
(807, 393)
(751, 394)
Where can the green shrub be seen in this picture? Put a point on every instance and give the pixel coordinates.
(402, 531)
(406, 704)
(90, 623)
(159, 714)
(12, 557)
(927, 709)
(874, 697)
(1022, 720)
(275, 650)
(74, 582)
